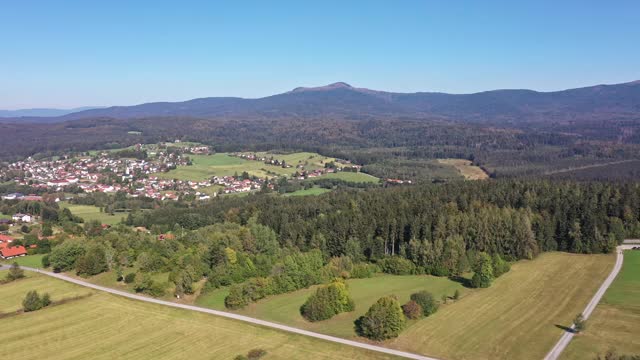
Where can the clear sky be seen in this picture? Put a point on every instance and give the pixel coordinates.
(75, 53)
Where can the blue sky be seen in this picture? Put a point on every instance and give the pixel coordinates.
(76, 53)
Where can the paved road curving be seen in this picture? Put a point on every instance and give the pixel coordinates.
(568, 335)
(233, 316)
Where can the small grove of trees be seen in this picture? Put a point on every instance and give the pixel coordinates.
(383, 320)
(327, 301)
(33, 301)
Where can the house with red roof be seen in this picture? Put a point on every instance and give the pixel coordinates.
(7, 251)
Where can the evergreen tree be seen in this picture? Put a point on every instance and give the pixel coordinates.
(483, 275)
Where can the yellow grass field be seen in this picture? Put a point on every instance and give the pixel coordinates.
(469, 171)
(516, 317)
(105, 326)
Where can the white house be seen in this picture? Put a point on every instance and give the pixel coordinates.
(22, 217)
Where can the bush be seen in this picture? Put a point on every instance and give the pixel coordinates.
(363, 270)
(426, 301)
(45, 261)
(412, 310)
(456, 295)
(256, 354)
(33, 301)
(580, 324)
(148, 286)
(397, 265)
(236, 298)
(383, 320)
(15, 272)
(129, 278)
(499, 265)
(327, 301)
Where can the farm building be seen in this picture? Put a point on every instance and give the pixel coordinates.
(7, 251)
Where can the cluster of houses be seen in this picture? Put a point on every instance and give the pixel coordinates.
(236, 185)
(7, 251)
(104, 173)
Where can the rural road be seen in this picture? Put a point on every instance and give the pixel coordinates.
(568, 335)
(232, 316)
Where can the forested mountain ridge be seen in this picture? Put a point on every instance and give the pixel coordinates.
(342, 100)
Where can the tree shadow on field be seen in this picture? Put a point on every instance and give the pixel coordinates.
(565, 328)
(461, 280)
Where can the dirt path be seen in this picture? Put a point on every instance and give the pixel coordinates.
(568, 335)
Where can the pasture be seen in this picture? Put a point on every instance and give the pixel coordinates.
(105, 326)
(357, 177)
(15, 291)
(518, 317)
(615, 323)
(91, 213)
(222, 164)
(34, 261)
(307, 192)
(285, 308)
(466, 168)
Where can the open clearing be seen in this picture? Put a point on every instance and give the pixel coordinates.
(357, 177)
(91, 213)
(221, 164)
(516, 317)
(465, 167)
(285, 308)
(105, 326)
(305, 192)
(615, 323)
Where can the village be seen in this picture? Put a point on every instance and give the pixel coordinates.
(106, 173)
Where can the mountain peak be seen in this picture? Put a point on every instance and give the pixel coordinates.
(336, 85)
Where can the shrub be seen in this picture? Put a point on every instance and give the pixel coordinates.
(579, 323)
(148, 286)
(397, 265)
(412, 310)
(327, 301)
(426, 301)
(15, 272)
(130, 277)
(236, 298)
(33, 301)
(363, 270)
(45, 261)
(500, 266)
(456, 295)
(256, 354)
(383, 320)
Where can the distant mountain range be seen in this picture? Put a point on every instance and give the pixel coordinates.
(42, 112)
(341, 100)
